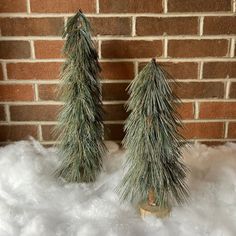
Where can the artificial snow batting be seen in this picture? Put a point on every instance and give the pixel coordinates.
(33, 202)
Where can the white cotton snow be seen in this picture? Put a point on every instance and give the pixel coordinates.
(34, 203)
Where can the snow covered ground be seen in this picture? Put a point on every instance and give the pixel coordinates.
(33, 202)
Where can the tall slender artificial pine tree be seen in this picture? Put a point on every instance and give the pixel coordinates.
(80, 120)
(155, 173)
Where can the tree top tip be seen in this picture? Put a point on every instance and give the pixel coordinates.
(153, 60)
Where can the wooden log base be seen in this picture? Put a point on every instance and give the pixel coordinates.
(148, 210)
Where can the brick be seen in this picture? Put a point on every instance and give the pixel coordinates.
(114, 112)
(114, 91)
(186, 110)
(63, 6)
(180, 70)
(14, 49)
(34, 71)
(232, 91)
(51, 26)
(197, 48)
(212, 143)
(117, 111)
(48, 48)
(202, 130)
(117, 70)
(198, 5)
(192, 90)
(34, 112)
(48, 92)
(219, 25)
(17, 132)
(217, 110)
(16, 92)
(130, 6)
(2, 113)
(111, 25)
(1, 72)
(219, 69)
(166, 26)
(48, 132)
(185, 90)
(232, 130)
(13, 6)
(131, 49)
(114, 132)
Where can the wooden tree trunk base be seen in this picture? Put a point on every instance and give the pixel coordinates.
(148, 210)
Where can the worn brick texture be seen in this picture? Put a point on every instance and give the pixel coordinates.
(194, 40)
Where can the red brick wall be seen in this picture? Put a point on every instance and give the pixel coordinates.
(193, 39)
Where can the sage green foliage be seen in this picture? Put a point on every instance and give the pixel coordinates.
(80, 120)
(152, 140)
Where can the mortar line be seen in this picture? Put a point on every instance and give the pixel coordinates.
(226, 126)
(28, 8)
(133, 26)
(123, 37)
(160, 59)
(36, 93)
(201, 70)
(40, 135)
(97, 6)
(196, 110)
(227, 88)
(4, 71)
(107, 102)
(212, 140)
(32, 49)
(185, 121)
(201, 22)
(65, 22)
(165, 48)
(99, 49)
(7, 113)
(165, 6)
(232, 47)
(167, 14)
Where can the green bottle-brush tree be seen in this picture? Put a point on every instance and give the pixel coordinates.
(154, 169)
(80, 126)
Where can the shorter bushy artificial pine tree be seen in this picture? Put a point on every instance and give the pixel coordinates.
(154, 169)
(80, 121)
